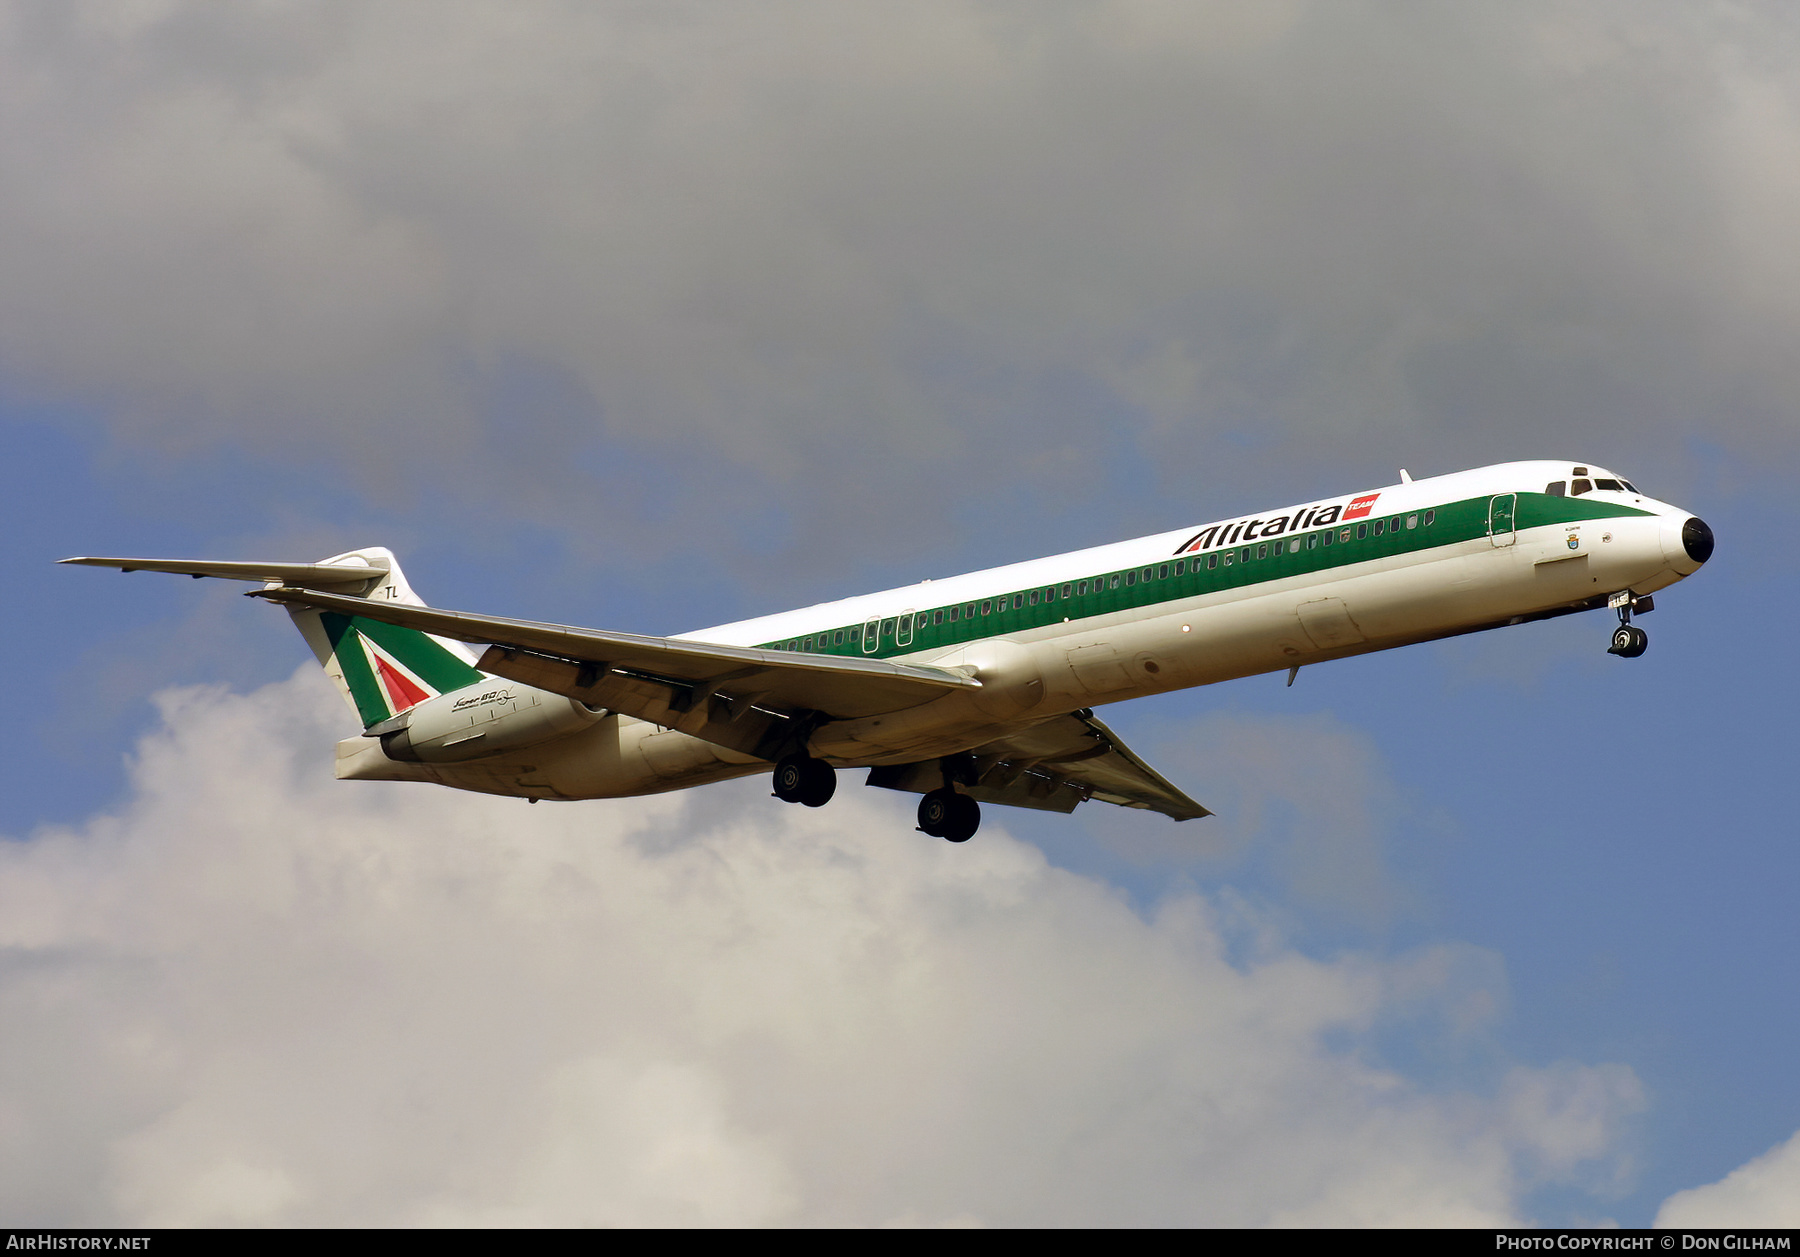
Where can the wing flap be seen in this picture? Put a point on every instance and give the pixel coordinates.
(1053, 766)
(1083, 753)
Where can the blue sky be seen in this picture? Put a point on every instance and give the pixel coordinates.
(657, 321)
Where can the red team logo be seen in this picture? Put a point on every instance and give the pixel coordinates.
(1360, 507)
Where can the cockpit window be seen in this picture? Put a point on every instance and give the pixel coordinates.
(1613, 485)
(1582, 486)
(1556, 488)
(1629, 485)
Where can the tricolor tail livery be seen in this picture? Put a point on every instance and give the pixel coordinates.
(381, 669)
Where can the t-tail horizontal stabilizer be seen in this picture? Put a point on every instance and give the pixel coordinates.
(302, 575)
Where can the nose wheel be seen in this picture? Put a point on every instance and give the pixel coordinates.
(804, 779)
(948, 815)
(1628, 640)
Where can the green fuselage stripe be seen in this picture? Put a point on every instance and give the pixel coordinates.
(1210, 571)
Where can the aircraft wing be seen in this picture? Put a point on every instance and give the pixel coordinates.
(1053, 766)
(756, 701)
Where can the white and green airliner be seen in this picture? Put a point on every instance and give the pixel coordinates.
(977, 688)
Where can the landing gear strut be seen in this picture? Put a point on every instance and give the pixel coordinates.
(803, 779)
(944, 813)
(1628, 640)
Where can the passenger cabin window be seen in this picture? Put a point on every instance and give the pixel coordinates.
(1430, 518)
(1312, 541)
(1180, 566)
(1114, 582)
(1556, 488)
(1018, 601)
(1228, 558)
(1212, 561)
(1362, 531)
(1394, 524)
(1162, 573)
(1582, 486)
(1034, 597)
(887, 628)
(937, 617)
(1412, 521)
(1131, 577)
(1294, 546)
(1380, 527)
(1262, 551)
(1067, 590)
(1343, 534)
(1329, 537)
(954, 611)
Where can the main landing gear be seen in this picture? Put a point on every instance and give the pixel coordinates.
(803, 779)
(1628, 640)
(944, 813)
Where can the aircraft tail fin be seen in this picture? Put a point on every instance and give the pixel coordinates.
(382, 670)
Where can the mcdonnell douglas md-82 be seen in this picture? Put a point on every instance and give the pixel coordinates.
(978, 688)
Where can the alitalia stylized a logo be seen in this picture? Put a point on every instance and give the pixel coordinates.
(389, 670)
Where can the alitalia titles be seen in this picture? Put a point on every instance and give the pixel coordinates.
(1234, 531)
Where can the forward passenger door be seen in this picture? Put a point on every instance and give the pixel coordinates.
(1500, 519)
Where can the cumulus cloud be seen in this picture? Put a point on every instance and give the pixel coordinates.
(953, 247)
(1763, 1192)
(255, 995)
(1305, 801)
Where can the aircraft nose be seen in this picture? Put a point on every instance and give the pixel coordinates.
(1697, 539)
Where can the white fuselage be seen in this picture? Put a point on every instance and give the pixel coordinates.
(1241, 597)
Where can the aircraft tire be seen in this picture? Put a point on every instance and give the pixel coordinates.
(820, 783)
(790, 779)
(1629, 641)
(935, 811)
(964, 820)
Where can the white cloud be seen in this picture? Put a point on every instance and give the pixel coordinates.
(949, 247)
(1308, 800)
(1764, 1192)
(258, 995)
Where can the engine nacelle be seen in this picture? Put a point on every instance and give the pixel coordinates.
(482, 720)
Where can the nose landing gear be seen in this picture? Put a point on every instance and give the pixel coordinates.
(803, 779)
(1628, 640)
